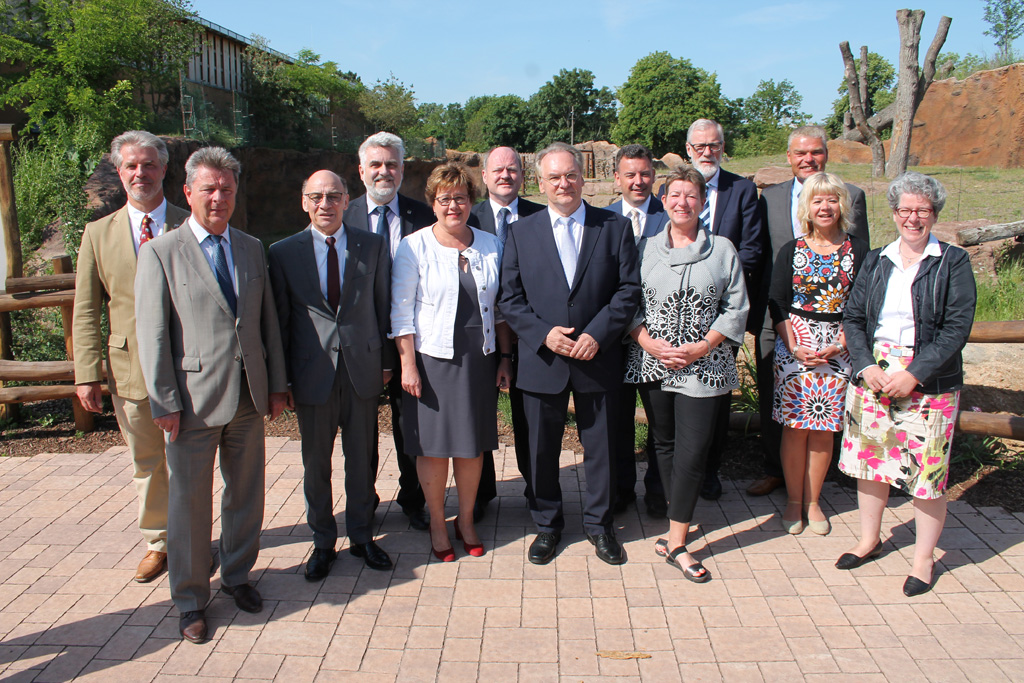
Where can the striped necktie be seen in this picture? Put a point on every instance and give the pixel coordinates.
(705, 214)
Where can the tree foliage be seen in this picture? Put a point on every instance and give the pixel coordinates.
(493, 121)
(881, 92)
(660, 100)
(769, 115)
(444, 122)
(1006, 19)
(569, 107)
(389, 106)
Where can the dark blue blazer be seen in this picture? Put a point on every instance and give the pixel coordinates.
(482, 218)
(657, 219)
(737, 218)
(414, 214)
(602, 301)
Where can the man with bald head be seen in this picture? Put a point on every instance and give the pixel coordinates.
(332, 288)
(503, 178)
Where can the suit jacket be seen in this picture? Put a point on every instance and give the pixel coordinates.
(738, 218)
(657, 217)
(776, 208)
(106, 272)
(191, 347)
(482, 218)
(604, 296)
(313, 335)
(414, 215)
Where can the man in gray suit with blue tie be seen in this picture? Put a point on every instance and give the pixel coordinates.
(634, 177)
(210, 350)
(332, 287)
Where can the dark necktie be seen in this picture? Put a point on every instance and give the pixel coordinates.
(333, 278)
(502, 230)
(383, 229)
(220, 267)
(146, 233)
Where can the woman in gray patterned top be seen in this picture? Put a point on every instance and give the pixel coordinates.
(694, 302)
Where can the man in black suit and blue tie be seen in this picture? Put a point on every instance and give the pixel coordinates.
(634, 177)
(382, 210)
(503, 178)
(730, 210)
(569, 288)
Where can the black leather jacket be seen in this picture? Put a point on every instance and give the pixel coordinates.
(944, 298)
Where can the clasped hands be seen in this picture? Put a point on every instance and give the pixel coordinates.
(673, 357)
(811, 358)
(559, 341)
(900, 384)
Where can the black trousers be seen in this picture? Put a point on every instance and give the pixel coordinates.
(771, 431)
(410, 495)
(624, 474)
(683, 428)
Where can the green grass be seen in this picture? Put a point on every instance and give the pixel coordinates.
(1000, 298)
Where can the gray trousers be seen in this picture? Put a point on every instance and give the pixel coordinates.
(190, 460)
(318, 425)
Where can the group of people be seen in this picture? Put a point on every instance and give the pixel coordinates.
(444, 304)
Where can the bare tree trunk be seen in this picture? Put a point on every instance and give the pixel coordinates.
(856, 88)
(879, 122)
(913, 83)
(864, 79)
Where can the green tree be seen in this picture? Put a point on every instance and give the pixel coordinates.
(769, 114)
(1006, 18)
(493, 121)
(881, 93)
(660, 100)
(570, 108)
(444, 122)
(389, 106)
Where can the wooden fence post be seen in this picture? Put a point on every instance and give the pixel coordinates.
(83, 418)
(11, 250)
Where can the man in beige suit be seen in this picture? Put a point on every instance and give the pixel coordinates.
(211, 354)
(106, 274)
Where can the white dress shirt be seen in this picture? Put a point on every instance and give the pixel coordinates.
(201, 234)
(394, 221)
(158, 218)
(642, 212)
(558, 224)
(712, 191)
(513, 210)
(320, 250)
(896, 319)
(798, 186)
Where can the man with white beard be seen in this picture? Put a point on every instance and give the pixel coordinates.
(730, 210)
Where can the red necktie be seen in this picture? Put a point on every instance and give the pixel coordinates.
(147, 231)
(333, 279)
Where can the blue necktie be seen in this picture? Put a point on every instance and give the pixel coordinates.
(220, 268)
(383, 229)
(705, 214)
(502, 230)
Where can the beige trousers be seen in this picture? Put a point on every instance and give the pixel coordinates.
(146, 444)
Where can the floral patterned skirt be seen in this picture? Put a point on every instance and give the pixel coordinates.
(810, 397)
(903, 442)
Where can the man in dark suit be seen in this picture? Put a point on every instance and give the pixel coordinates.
(807, 153)
(210, 352)
(730, 211)
(383, 211)
(332, 287)
(634, 177)
(503, 178)
(569, 288)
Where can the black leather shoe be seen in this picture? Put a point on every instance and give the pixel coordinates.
(622, 502)
(848, 561)
(479, 511)
(418, 519)
(608, 549)
(192, 626)
(542, 550)
(657, 507)
(320, 563)
(914, 586)
(247, 598)
(712, 488)
(372, 554)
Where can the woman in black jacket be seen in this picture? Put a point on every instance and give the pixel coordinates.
(906, 322)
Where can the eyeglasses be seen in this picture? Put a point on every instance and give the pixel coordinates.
(557, 179)
(713, 146)
(460, 200)
(921, 213)
(329, 199)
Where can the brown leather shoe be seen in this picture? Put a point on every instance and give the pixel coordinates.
(192, 626)
(765, 485)
(151, 566)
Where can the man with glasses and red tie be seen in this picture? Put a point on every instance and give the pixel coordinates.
(383, 211)
(106, 273)
(332, 287)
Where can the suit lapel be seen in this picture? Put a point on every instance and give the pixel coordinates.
(123, 240)
(240, 255)
(544, 241)
(355, 247)
(724, 189)
(306, 253)
(591, 233)
(193, 255)
(405, 214)
(357, 214)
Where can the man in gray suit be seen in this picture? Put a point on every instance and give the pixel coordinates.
(807, 154)
(332, 287)
(634, 177)
(210, 350)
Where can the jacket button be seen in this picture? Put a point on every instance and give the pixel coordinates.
(335, 348)
(485, 309)
(571, 305)
(238, 358)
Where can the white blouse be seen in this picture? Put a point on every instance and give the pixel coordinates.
(896, 319)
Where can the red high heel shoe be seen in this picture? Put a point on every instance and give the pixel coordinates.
(446, 555)
(474, 550)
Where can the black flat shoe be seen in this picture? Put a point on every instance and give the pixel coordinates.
(247, 598)
(695, 572)
(608, 549)
(914, 586)
(542, 550)
(418, 519)
(372, 554)
(848, 561)
(320, 563)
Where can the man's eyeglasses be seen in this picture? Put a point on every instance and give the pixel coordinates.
(921, 213)
(715, 147)
(329, 199)
(557, 179)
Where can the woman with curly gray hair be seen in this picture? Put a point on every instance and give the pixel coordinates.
(906, 323)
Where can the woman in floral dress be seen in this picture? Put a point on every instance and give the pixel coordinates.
(811, 281)
(907, 320)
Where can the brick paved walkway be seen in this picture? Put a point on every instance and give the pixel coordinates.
(776, 608)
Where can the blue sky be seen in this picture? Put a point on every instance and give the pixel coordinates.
(450, 50)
